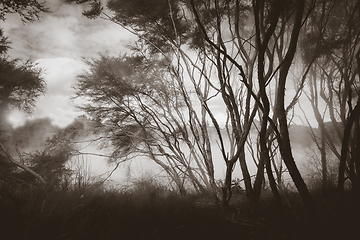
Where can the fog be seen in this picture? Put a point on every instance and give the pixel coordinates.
(92, 161)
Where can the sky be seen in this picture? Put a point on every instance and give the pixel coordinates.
(58, 43)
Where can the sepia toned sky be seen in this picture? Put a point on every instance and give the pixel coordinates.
(58, 42)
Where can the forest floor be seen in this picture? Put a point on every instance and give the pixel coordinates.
(152, 214)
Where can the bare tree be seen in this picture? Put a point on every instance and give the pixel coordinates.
(145, 109)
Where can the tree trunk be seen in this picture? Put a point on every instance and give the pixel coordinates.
(354, 116)
(357, 160)
(284, 140)
(323, 161)
(226, 188)
(263, 152)
(286, 153)
(273, 186)
(314, 100)
(246, 175)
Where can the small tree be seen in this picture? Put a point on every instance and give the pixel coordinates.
(140, 105)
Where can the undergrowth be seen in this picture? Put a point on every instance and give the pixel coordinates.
(149, 211)
(137, 213)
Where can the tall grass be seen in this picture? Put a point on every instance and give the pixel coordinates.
(148, 210)
(144, 211)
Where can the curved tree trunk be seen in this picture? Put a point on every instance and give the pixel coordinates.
(284, 144)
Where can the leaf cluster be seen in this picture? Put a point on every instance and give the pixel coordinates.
(29, 10)
(160, 21)
(124, 94)
(331, 28)
(21, 84)
(4, 42)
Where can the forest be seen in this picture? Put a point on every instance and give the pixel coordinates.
(247, 111)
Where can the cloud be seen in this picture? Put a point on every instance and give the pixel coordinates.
(64, 32)
(58, 42)
(60, 75)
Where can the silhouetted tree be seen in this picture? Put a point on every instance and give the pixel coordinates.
(140, 106)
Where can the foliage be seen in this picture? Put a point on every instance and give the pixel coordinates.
(29, 10)
(51, 165)
(32, 136)
(139, 105)
(109, 214)
(313, 172)
(21, 84)
(118, 89)
(49, 156)
(4, 42)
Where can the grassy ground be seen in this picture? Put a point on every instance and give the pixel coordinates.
(156, 214)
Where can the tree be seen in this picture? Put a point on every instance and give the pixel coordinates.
(284, 139)
(272, 24)
(139, 104)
